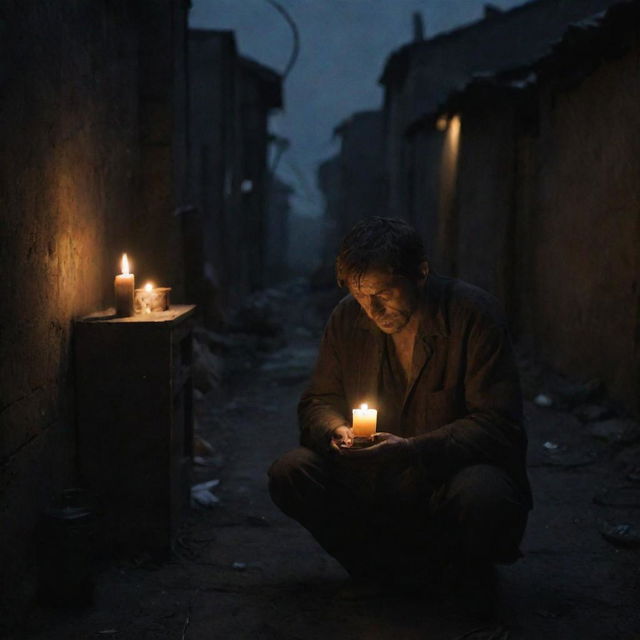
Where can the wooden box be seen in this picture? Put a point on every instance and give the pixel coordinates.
(135, 423)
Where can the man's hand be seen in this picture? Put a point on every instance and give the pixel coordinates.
(341, 438)
(388, 449)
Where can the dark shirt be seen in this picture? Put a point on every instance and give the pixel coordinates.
(391, 391)
(462, 404)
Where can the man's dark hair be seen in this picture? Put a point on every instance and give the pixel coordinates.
(384, 244)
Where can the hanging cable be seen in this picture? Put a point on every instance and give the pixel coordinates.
(296, 36)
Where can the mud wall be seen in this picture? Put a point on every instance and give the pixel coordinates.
(86, 172)
(585, 258)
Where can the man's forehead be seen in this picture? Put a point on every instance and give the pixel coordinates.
(372, 281)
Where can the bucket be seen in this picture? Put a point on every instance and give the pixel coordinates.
(66, 550)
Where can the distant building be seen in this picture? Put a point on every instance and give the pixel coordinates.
(419, 77)
(277, 230)
(230, 102)
(261, 94)
(353, 182)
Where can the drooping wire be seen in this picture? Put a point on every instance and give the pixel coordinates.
(296, 35)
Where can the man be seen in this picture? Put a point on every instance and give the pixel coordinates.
(443, 484)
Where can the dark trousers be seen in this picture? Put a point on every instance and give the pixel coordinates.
(385, 520)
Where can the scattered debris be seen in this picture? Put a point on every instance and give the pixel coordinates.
(257, 521)
(207, 368)
(201, 447)
(545, 613)
(570, 394)
(592, 412)
(563, 458)
(618, 430)
(543, 400)
(620, 535)
(261, 314)
(217, 343)
(201, 494)
(204, 462)
(239, 566)
(634, 474)
(621, 496)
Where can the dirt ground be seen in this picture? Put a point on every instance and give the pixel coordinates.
(242, 570)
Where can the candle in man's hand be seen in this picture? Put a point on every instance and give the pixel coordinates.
(124, 285)
(364, 421)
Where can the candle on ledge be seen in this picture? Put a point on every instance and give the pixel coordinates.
(364, 421)
(124, 285)
(150, 299)
(147, 298)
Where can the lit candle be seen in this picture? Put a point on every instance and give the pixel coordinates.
(364, 421)
(124, 285)
(148, 298)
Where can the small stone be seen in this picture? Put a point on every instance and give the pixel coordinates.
(201, 447)
(623, 431)
(543, 400)
(620, 496)
(239, 566)
(592, 412)
(551, 446)
(620, 535)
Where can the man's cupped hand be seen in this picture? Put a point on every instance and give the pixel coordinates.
(387, 448)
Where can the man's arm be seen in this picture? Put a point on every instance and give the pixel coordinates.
(323, 408)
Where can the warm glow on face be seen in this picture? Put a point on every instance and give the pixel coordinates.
(125, 264)
(148, 287)
(364, 407)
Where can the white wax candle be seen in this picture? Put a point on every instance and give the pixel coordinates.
(364, 421)
(124, 285)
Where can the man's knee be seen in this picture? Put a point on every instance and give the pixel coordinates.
(483, 489)
(293, 463)
(294, 475)
(485, 502)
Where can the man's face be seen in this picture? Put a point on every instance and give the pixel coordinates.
(387, 299)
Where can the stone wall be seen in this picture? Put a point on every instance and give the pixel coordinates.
(86, 168)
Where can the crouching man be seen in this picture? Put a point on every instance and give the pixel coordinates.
(442, 488)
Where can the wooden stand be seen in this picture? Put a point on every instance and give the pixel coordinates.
(135, 423)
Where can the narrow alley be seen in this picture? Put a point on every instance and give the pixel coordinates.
(243, 570)
(392, 247)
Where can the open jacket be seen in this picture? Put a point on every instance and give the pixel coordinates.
(463, 403)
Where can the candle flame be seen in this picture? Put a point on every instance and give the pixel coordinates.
(148, 287)
(364, 407)
(125, 264)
